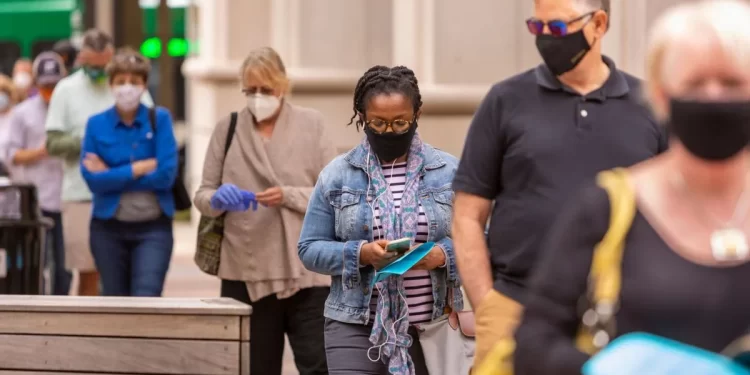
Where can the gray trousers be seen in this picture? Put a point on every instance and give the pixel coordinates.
(346, 350)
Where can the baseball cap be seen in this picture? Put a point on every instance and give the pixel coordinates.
(48, 68)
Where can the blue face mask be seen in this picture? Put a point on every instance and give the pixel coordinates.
(403, 264)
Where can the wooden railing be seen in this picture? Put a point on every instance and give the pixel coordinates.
(113, 335)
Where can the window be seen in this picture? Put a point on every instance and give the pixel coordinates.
(9, 53)
(41, 46)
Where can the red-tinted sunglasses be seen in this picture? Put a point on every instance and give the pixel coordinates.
(556, 27)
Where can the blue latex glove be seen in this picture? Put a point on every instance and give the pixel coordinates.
(231, 198)
(248, 200)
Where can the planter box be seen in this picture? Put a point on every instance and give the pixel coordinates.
(123, 335)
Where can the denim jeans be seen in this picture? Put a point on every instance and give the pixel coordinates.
(132, 258)
(61, 277)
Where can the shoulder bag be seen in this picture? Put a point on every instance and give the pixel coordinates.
(597, 326)
(211, 229)
(179, 191)
(448, 342)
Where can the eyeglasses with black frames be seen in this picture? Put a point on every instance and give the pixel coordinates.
(397, 126)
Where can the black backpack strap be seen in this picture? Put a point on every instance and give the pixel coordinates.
(152, 118)
(230, 133)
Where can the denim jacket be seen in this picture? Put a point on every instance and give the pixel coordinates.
(339, 221)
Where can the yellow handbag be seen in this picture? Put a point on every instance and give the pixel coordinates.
(597, 324)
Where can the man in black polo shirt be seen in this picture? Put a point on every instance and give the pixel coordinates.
(535, 138)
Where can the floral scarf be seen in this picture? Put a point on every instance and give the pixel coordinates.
(391, 324)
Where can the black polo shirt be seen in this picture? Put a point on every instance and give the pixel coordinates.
(532, 142)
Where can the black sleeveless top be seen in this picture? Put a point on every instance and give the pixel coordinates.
(662, 292)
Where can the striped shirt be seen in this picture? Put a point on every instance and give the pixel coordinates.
(417, 283)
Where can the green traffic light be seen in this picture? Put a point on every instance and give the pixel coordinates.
(177, 47)
(151, 48)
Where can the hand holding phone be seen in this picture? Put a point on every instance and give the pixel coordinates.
(399, 246)
(374, 253)
(396, 249)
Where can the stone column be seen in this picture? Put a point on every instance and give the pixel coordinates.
(104, 19)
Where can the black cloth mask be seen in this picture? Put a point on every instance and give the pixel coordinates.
(713, 131)
(562, 54)
(390, 146)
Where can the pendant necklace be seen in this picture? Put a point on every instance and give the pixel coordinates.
(728, 242)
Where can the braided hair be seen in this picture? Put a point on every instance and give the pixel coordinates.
(384, 80)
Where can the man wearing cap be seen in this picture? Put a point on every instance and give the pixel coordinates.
(24, 151)
(76, 98)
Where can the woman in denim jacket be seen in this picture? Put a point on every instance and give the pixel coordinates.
(391, 186)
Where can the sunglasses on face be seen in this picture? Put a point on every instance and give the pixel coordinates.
(555, 27)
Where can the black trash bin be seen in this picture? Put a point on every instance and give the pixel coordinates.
(22, 246)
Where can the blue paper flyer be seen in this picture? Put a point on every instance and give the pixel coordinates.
(404, 263)
(642, 353)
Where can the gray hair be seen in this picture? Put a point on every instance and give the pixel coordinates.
(97, 40)
(594, 5)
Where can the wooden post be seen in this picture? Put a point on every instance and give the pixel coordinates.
(128, 24)
(166, 65)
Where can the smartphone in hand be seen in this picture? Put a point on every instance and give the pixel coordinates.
(399, 246)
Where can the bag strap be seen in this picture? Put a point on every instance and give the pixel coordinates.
(230, 132)
(605, 277)
(606, 264)
(230, 135)
(152, 118)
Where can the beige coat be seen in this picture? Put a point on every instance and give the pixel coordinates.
(260, 247)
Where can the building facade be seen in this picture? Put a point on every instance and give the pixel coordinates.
(458, 49)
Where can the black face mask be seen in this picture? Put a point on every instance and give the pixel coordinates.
(390, 146)
(713, 131)
(562, 54)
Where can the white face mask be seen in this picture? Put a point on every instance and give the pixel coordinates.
(4, 101)
(262, 106)
(127, 97)
(22, 80)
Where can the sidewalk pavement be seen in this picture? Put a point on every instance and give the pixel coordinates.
(186, 280)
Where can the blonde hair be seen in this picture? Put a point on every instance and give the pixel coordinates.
(724, 20)
(267, 64)
(7, 86)
(127, 60)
